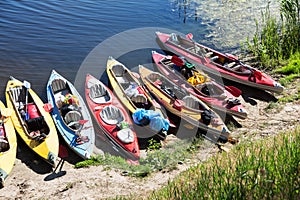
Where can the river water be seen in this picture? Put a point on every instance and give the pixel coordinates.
(38, 36)
(76, 37)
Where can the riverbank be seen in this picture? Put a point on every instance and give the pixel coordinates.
(32, 179)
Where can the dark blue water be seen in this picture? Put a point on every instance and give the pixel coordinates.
(38, 36)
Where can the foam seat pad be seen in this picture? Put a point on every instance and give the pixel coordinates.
(125, 135)
(111, 115)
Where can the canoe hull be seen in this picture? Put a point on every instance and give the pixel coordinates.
(85, 149)
(7, 158)
(189, 114)
(120, 84)
(217, 103)
(96, 106)
(209, 66)
(46, 148)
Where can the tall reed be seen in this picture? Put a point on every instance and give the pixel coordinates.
(278, 39)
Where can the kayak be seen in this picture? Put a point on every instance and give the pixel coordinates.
(111, 116)
(184, 74)
(8, 143)
(185, 105)
(31, 121)
(217, 63)
(137, 100)
(70, 115)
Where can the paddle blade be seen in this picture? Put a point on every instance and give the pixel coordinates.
(83, 121)
(63, 152)
(189, 36)
(26, 84)
(233, 90)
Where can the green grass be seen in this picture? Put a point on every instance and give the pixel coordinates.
(290, 98)
(267, 169)
(291, 70)
(166, 158)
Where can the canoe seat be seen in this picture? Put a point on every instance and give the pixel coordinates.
(18, 95)
(230, 65)
(191, 102)
(72, 119)
(209, 54)
(126, 135)
(99, 94)
(118, 70)
(139, 98)
(111, 115)
(214, 59)
(58, 85)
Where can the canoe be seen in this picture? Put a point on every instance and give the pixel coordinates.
(111, 116)
(135, 96)
(185, 105)
(8, 143)
(31, 121)
(217, 63)
(71, 115)
(200, 85)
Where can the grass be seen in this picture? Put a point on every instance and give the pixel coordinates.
(276, 40)
(267, 169)
(291, 70)
(166, 158)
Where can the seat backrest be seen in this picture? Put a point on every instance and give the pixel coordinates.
(58, 85)
(111, 115)
(190, 102)
(97, 90)
(139, 98)
(118, 70)
(72, 116)
(18, 94)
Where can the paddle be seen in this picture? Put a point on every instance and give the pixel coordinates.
(233, 90)
(81, 122)
(27, 85)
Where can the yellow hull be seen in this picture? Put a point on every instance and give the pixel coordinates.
(191, 116)
(118, 90)
(7, 158)
(47, 148)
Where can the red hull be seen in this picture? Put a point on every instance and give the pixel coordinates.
(111, 130)
(257, 79)
(214, 102)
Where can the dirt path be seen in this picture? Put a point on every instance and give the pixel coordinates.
(32, 178)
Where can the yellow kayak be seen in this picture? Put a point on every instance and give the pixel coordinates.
(183, 104)
(8, 143)
(34, 125)
(134, 96)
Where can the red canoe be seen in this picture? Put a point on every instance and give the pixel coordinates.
(217, 63)
(206, 89)
(111, 116)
